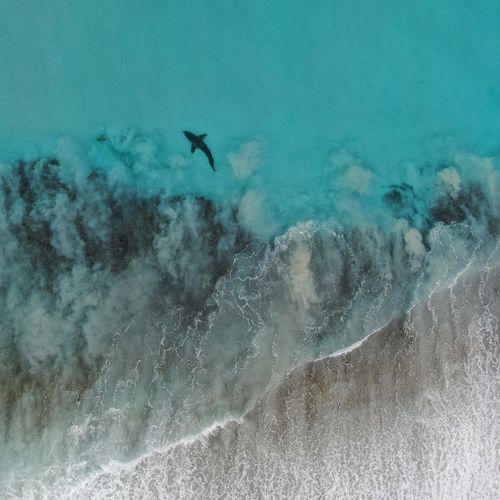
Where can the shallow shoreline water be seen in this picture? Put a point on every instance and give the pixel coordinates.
(134, 317)
(413, 406)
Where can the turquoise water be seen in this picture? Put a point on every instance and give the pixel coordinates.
(388, 75)
(392, 82)
(144, 297)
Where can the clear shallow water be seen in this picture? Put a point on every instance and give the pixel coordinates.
(145, 298)
(387, 75)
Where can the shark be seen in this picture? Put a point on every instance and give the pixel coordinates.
(198, 142)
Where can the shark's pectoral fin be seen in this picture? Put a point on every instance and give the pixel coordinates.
(193, 148)
(202, 136)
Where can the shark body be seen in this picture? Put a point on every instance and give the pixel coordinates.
(198, 142)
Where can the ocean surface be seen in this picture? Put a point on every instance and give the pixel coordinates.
(319, 318)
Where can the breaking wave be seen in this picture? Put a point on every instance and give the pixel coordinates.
(135, 313)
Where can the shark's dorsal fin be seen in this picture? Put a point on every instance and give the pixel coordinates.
(202, 136)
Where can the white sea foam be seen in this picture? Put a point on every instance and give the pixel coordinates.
(158, 315)
(415, 424)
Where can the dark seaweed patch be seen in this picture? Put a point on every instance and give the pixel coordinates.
(401, 200)
(470, 203)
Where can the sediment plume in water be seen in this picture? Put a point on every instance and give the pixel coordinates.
(134, 317)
